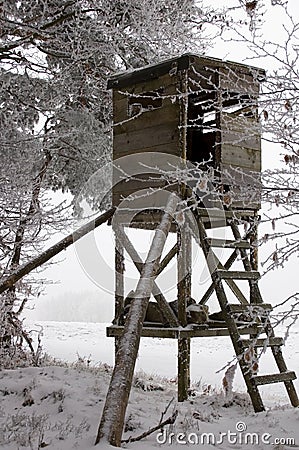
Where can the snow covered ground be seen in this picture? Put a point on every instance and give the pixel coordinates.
(59, 406)
(67, 340)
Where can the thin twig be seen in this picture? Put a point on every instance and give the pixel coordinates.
(168, 421)
(165, 410)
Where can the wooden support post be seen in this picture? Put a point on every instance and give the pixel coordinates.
(119, 279)
(112, 421)
(119, 285)
(184, 293)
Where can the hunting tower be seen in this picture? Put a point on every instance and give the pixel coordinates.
(200, 113)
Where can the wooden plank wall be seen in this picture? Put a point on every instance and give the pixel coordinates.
(155, 130)
(151, 129)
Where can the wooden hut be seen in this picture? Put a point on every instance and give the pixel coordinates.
(203, 110)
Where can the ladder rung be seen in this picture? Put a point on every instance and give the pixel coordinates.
(238, 275)
(250, 307)
(270, 342)
(228, 243)
(274, 378)
(218, 212)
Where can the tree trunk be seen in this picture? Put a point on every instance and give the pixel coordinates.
(112, 421)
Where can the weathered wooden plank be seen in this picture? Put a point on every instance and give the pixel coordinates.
(210, 332)
(236, 81)
(266, 342)
(242, 157)
(227, 243)
(229, 281)
(147, 219)
(240, 138)
(274, 378)
(184, 262)
(211, 288)
(144, 181)
(173, 66)
(240, 177)
(246, 204)
(183, 367)
(123, 123)
(240, 131)
(141, 79)
(114, 331)
(203, 81)
(119, 278)
(166, 84)
(171, 148)
(117, 96)
(152, 137)
(174, 333)
(219, 213)
(139, 200)
(236, 307)
(216, 63)
(166, 260)
(245, 186)
(119, 286)
(238, 275)
(279, 359)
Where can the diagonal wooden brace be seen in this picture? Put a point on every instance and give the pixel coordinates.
(46, 255)
(166, 310)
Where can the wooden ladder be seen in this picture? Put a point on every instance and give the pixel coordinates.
(256, 309)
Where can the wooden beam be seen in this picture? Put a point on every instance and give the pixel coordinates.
(265, 342)
(112, 421)
(275, 378)
(184, 293)
(119, 279)
(215, 213)
(175, 333)
(166, 310)
(119, 286)
(166, 260)
(237, 274)
(250, 307)
(26, 268)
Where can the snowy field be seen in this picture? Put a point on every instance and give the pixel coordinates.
(67, 340)
(59, 406)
